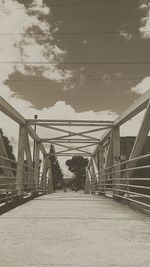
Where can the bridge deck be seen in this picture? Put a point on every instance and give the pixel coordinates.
(72, 229)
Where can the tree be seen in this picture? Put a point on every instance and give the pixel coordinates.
(77, 165)
(57, 174)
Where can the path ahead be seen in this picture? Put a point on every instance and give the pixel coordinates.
(72, 229)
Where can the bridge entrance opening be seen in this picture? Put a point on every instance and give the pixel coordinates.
(71, 138)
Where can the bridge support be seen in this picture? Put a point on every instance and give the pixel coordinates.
(20, 160)
(87, 185)
(44, 174)
(141, 138)
(116, 161)
(36, 167)
(96, 177)
(91, 171)
(29, 162)
(47, 183)
(50, 181)
(101, 187)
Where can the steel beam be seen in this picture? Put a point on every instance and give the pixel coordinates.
(71, 124)
(134, 109)
(67, 150)
(7, 109)
(72, 154)
(67, 141)
(20, 160)
(71, 133)
(70, 121)
(138, 106)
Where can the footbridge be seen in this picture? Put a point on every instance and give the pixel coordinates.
(100, 227)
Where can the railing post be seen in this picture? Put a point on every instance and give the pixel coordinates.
(7, 195)
(36, 167)
(44, 175)
(29, 162)
(96, 174)
(101, 171)
(87, 183)
(127, 182)
(92, 178)
(116, 160)
(50, 181)
(20, 160)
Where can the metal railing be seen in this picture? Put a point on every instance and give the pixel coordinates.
(128, 181)
(30, 184)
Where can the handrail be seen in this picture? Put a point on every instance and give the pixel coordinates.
(123, 186)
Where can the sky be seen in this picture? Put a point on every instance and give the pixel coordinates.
(73, 59)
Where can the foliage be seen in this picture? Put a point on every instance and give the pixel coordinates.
(57, 175)
(77, 165)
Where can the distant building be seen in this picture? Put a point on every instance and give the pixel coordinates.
(126, 145)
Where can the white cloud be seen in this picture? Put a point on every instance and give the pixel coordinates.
(19, 42)
(126, 35)
(145, 28)
(40, 7)
(142, 87)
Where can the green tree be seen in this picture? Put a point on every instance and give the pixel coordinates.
(57, 174)
(77, 165)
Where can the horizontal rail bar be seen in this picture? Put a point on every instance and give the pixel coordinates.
(128, 161)
(128, 169)
(132, 200)
(127, 179)
(129, 185)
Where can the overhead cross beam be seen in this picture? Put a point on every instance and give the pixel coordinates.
(67, 150)
(73, 154)
(71, 122)
(74, 148)
(72, 134)
(67, 141)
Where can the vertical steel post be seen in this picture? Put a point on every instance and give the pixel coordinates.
(20, 160)
(34, 143)
(116, 158)
(44, 175)
(50, 181)
(101, 170)
(36, 167)
(87, 183)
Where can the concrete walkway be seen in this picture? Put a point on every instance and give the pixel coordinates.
(73, 229)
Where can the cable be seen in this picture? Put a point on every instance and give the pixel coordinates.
(81, 3)
(76, 63)
(91, 2)
(73, 33)
(78, 79)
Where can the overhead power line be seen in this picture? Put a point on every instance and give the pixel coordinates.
(76, 63)
(77, 79)
(92, 2)
(74, 33)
